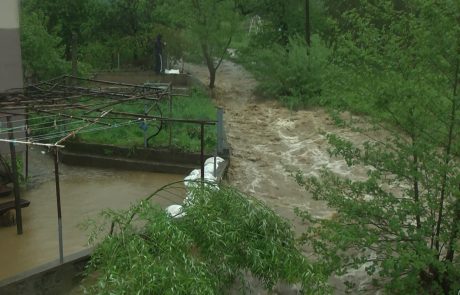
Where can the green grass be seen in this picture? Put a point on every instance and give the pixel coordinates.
(185, 137)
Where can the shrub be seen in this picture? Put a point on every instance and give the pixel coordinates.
(294, 74)
(223, 234)
(41, 51)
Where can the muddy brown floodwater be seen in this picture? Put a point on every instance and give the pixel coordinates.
(267, 140)
(84, 193)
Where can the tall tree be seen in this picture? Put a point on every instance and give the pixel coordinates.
(212, 23)
(401, 223)
(42, 54)
(66, 19)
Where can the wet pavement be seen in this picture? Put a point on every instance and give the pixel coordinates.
(84, 193)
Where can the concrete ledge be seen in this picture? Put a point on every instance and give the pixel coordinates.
(90, 160)
(49, 278)
(109, 156)
(140, 77)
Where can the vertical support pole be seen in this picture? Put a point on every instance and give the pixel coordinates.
(220, 131)
(202, 151)
(58, 202)
(27, 146)
(170, 116)
(14, 167)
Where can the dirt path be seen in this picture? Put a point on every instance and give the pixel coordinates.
(266, 139)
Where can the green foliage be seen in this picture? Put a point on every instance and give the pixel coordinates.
(401, 222)
(65, 19)
(281, 19)
(211, 25)
(41, 51)
(7, 168)
(223, 235)
(98, 33)
(98, 55)
(186, 137)
(293, 74)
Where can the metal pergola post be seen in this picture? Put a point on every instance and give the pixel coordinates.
(27, 146)
(58, 202)
(14, 168)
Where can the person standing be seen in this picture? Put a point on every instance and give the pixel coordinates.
(158, 55)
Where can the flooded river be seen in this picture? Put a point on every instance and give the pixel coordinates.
(84, 193)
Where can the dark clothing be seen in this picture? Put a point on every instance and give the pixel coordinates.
(158, 63)
(158, 46)
(158, 55)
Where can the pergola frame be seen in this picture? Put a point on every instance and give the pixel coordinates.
(95, 101)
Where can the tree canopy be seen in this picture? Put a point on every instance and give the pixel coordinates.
(402, 221)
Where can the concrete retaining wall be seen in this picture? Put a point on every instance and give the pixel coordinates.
(50, 278)
(109, 156)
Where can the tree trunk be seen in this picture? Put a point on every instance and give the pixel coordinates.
(454, 231)
(210, 64)
(74, 51)
(307, 23)
(212, 78)
(447, 159)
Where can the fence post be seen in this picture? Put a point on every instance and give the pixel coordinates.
(220, 131)
(202, 151)
(145, 126)
(170, 115)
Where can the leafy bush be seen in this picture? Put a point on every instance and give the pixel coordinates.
(97, 55)
(400, 223)
(41, 51)
(294, 74)
(223, 234)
